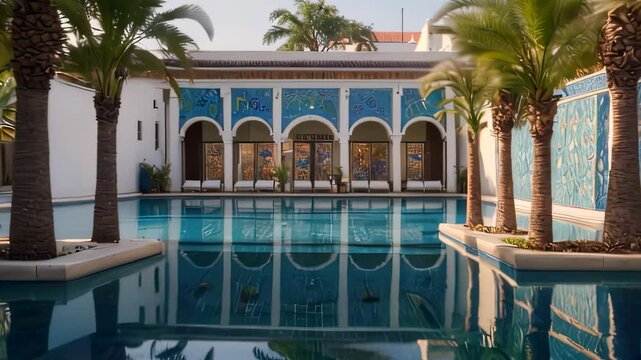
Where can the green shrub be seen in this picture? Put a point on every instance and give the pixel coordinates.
(282, 175)
(159, 177)
(521, 243)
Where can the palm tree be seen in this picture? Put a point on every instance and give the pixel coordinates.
(472, 90)
(37, 37)
(316, 26)
(107, 50)
(505, 113)
(620, 52)
(543, 44)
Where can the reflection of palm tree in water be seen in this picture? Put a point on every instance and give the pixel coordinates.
(625, 327)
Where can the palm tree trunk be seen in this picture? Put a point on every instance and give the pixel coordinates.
(105, 216)
(620, 50)
(541, 119)
(37, 39)
(474, 215)
(503, 118)
(624, 189)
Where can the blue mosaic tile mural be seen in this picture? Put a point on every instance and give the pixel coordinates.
(320, 102)
(522, 154)
(370, 102)
(590, 84)
(413, 105)
(574, 153)
(252, 102)
(602, 148)
(200, 102)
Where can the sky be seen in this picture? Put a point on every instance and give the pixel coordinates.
(240, 24)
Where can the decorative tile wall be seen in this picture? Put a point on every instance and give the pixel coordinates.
(413, 105)
(252, 102)
(370, 103)
(200, 102)
(320, 102)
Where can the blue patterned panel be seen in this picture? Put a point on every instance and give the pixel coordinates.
(200, 102)
(321, 102)
(370, 102)
(593, 83)
(602, 148)
(522, 155)
(413, 105)
(574, 153)
(251, 102)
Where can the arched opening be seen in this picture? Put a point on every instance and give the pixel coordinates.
(254, 151)
(423, 146)
(310, 152)
(203, 152)
(370, 152)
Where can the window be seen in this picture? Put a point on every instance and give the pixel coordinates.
(157, 136)
(139, 130)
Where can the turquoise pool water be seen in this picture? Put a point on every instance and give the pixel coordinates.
(313, 278)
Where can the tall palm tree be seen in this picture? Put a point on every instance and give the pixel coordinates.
(107, 50)
(506, 112)
(472, 90)
(620, 52)
(316, 26)
(37, 38)
(543, 44)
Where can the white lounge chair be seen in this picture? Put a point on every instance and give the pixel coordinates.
(359, 185)
(211, 185)
(191, 185)
(413, 185)
(322, 185)
(244, 185)
(379, 185)
(265, 185)
(433, 185)
(303, 185)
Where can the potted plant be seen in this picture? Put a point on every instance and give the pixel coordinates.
(281, 174)
(337, 177)
(154, 179)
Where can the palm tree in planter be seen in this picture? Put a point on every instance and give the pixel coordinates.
(472, 91)
(106, 51)
(543, 44)
(37, 38)
(620, 52)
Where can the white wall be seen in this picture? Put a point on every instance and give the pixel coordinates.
(72, 136)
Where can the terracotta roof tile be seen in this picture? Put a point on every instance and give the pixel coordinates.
(395, 36)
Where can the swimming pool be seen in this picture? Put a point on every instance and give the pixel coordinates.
(310, 278)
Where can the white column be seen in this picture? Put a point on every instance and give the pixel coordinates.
(277, 127)
(175, 144)
(228, 138)
(172, 260)
(450, 137)
(343, 131)
(396, 162)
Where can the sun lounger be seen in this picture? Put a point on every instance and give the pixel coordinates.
(322, 185)
(413, 185)
(191, 185)
(380, 186)
(211, 185)
(302, 185)
(244, 185)
(265, 185)
(359, 185)
(433, 185)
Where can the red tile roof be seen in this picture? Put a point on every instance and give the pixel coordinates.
(395, 36)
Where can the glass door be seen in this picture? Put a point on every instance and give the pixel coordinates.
(323, 161)
(380, 161)
(360, 161)
(302, 159)
(214, 161)
(415, 161)
(265, 161)
(247, 160)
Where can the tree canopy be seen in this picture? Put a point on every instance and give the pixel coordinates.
(316, 26)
